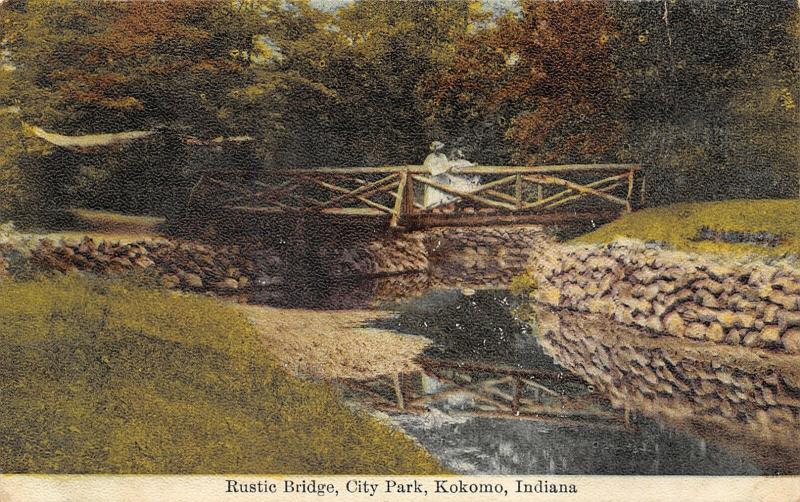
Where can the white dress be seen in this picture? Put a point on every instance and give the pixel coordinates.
(439, 167)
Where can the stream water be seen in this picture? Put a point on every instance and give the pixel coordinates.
(572, 428)
(481, 327)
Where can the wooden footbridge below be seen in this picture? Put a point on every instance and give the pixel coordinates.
(489, 195)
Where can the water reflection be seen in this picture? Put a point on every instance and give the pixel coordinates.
(486, 445)
(598, 382)
(573, 431)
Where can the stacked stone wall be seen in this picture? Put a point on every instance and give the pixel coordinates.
(748, 391)
(437, 257)
(675, 294)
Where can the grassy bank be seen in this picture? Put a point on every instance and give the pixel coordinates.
(101, 376)
(679, 224)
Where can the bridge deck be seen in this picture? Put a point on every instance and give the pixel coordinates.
(409, 197)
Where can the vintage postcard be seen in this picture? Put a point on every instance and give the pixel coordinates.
(400, 250)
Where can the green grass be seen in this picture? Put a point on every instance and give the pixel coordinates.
(107, 376)
(678, 223)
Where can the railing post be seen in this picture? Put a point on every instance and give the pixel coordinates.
(404, 202)
(408, 197)
(642, 195)
(518, 191)
(630, 191)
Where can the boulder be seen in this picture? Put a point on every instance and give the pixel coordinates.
(653, 323)
(750, 339)
(650, 292)
(227, 284)
(715, 332)
(170, 281)
(787, 320)
(549, 296)
(770, 311)
(788, 285)
(674, 324)
(744, 320)
(143, 262)
(791, 341)
(696, 330)
(710, 285)
(769, 335)
(193, 280)
(707, 299)
(790, 302)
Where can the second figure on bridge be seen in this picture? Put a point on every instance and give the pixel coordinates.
(442, 171)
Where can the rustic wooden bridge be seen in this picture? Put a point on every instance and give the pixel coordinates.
(491, 195)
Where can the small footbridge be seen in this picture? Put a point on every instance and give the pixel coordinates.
(400, 195)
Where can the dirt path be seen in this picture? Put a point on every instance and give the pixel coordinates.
(104, 225)
(335, 344)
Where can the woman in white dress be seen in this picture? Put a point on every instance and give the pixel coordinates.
(439, 167)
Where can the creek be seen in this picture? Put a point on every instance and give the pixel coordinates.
(489, 399)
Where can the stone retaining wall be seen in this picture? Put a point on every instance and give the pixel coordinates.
(482, 256)
(751, 393)
(450, 256)
(438, 257)
(184, 265)
(675, 294)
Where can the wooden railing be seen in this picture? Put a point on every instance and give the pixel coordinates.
(488, 193)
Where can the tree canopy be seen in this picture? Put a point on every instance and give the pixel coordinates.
(703, 93)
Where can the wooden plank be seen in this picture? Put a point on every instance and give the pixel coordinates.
(517, 394)
(255, 209)
(539, 386)
(333, 211)
(422, 220)
(271, 198)
(398, 390)
(409, 206)
(603, 424)
(464, 195)
(195, 187)
(643, 192)
(473, 366)
(348, 194)
(494, 184)
(503, 196)
(418, 169)
(289, 189)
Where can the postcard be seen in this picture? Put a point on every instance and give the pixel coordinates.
(400, 250)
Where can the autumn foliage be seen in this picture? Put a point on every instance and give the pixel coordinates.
(702, 93)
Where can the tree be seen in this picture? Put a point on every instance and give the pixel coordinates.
(94, 67)
(549, 71)
(366, 62)
(707, 106)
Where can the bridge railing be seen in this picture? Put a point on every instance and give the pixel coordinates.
(490, 193)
